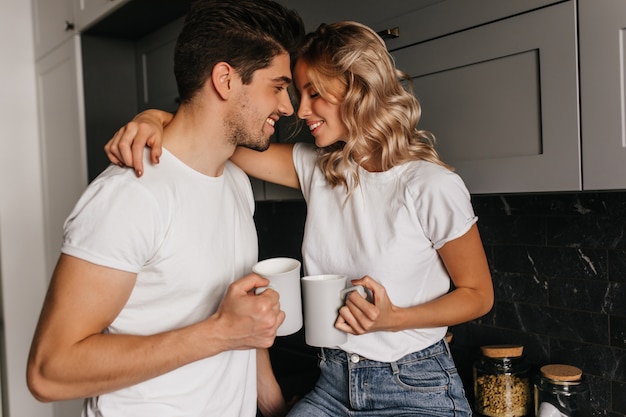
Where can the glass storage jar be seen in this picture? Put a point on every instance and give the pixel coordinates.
(561, 391)
(502, 386)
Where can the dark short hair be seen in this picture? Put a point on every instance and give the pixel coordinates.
(247, 34)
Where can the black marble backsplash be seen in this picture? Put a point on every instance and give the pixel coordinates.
(558, 263)
(559, 270)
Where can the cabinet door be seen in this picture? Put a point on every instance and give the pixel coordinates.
(90, 11)
(155, 57)
(62, 135)
(53, 23)
(438, 18)
(110, 84)
(603, 93)
(502, 100)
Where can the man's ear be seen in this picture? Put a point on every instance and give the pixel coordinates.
(222, 77)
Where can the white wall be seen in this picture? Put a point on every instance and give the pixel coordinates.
(22, 256)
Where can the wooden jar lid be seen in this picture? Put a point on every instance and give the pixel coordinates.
(502, 351)
(563, 373)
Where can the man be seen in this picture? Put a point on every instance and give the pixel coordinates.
(145, 314)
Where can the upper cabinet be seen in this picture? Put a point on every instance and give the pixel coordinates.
(90, 11)
(424, 20)
(522, 95)
(603, 93)
(502, 100)
(53, 22)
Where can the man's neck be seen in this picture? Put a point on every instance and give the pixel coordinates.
(199, 142)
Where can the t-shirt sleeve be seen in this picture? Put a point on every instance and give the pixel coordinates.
(444, 207)
(116, 223)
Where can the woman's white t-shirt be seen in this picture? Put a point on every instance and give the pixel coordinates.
(390, 229)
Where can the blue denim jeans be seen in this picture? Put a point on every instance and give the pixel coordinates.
(424, 383)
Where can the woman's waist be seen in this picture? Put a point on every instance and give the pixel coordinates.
(371, 358)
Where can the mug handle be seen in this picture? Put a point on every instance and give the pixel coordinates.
(261, 290)
(358, 288)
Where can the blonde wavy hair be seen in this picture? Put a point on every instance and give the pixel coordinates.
(348, 64)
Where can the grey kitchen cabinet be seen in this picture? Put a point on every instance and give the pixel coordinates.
(499, 84)
(90, 11)
(502, 99)
(155, 58)
(433, 19)
(53, 22)
(603, 93)
(110, 91)
(368, 12)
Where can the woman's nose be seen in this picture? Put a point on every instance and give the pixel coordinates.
(304, 109)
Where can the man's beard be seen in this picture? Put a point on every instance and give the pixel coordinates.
(239, 135)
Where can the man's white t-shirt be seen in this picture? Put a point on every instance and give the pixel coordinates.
(187, 236)
(390, 229)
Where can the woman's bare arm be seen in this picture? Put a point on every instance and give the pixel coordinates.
(471, 298)
(273, 165)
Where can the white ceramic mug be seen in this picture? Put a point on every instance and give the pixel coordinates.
(323, 296)
(284, 277)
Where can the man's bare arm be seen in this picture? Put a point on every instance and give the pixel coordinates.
(71, 357)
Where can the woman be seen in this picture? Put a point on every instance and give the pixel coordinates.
(383, 209)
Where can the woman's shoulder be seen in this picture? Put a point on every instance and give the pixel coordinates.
(425, 176)
(425, 171)
(305, 148)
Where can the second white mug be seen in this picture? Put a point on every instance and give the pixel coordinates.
(323, 296)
